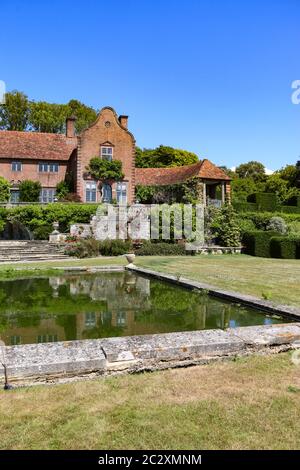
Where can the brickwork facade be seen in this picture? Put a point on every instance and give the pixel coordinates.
(49, 158)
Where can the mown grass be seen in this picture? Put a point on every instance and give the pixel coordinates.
(252, 403)
(273, 279)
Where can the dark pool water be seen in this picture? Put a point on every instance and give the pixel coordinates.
(76, 306)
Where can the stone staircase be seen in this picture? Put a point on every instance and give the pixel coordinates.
(30, 250)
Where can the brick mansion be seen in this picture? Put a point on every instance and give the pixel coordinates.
(49, 158)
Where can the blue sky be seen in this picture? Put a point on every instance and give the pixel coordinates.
(210, 76)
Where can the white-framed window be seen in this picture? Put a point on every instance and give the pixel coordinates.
(121, 192)
(47, 195)
(121, 319)
(14, 196)
(46, 167)
(91, 191)
(106, 152)
(16, 166)
(90, 320)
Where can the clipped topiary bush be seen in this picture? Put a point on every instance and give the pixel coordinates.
(285, 247)
(257, 243)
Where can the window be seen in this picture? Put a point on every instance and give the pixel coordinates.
(16, 166)
(14, 196)
(121, 319)
(45, 167)
(47, 338)
(91, 191)
(121, 193)
(90, 320)
(106, 193)
(47, 195)
(107, 153)
(14, 340)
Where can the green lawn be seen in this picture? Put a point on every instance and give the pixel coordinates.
(275, 279)
(252, 403)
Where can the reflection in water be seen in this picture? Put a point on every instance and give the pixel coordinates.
(109, 304)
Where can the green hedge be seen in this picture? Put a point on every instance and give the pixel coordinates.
(285, 247)
(267, 202)
(160, 249)
(244, 206)
(257, 243)
(39, 218)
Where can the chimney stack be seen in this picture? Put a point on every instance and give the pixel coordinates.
(70, 126)
(123, 121)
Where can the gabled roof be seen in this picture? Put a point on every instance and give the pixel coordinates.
(165, 176)
(36, 145)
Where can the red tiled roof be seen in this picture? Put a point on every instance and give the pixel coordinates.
(36, 145)
(164, 176)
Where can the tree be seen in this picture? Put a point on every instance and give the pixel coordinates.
(104, 170)
(85, 115)
(253, 169)
(281, 187)
(163, 156)
(243, 187)
(48, 117)
(4, 189)
(14, 114)
(30, 191)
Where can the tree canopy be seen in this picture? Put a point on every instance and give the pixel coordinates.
(21, 114)
(253, 169)
(164, 156)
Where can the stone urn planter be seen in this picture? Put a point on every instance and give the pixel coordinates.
(130, 258)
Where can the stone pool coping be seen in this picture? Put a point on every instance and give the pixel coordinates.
(54, 362)
(62, 361)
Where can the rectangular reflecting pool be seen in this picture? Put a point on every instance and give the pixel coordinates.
(77, 306)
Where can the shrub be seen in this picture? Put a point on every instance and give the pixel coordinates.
(226, 227)
(277, 224)
(85, 248)
(294, 227)
(246, 225)
(30, 191)
(160, 249)
(115, 247)
(90, 247)
(62, 190)
(42, 232)
(4, 190)
(257, 243)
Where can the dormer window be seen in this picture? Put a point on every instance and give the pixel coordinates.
(106, 152)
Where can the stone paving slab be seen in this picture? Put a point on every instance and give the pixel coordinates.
(267, 335)
(171, 346)
(70, 357)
